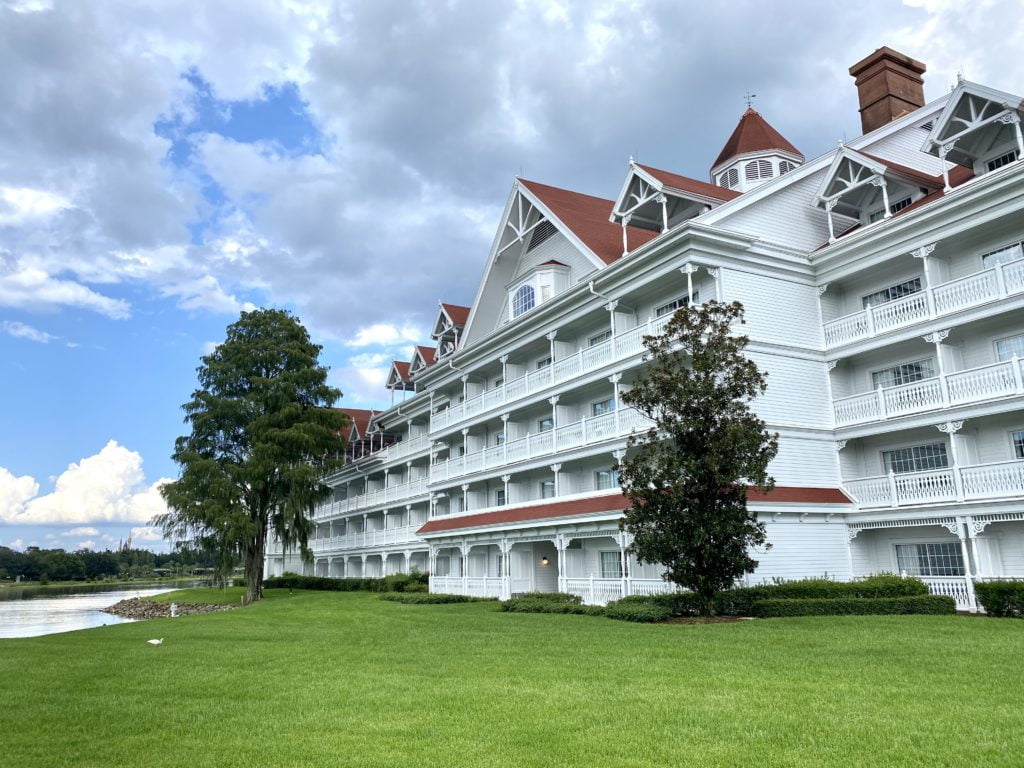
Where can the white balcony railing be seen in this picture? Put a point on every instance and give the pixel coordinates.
(983, 287)
(592, 590)
(394, 493)
(587, 431)
(1002, 480)
(401, 535)
(976, 385)
(622, 345)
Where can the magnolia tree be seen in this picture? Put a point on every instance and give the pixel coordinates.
(687, 476)
(263, 437)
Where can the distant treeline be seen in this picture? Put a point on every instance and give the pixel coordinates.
(36, 564)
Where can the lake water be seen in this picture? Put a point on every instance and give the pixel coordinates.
(29, 612)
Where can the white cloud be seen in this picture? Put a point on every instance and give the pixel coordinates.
(20, 204)
(82, 530)
(147, 533)
(16, 544)
(106, 487)
(29, 287)
(22, 331)
(384, 334)
(87, 544)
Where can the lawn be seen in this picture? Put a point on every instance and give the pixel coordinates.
(345, 679)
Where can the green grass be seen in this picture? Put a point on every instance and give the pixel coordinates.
(226, 596)
(346, 679)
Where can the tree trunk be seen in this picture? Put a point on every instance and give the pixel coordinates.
(254, 568)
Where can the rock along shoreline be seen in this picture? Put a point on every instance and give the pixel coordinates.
(138, 608)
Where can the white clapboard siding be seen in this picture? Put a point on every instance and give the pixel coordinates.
(904, 148)
(805, 462)
(803, 550)
(778, 311)
(557, 248)
(797, 391)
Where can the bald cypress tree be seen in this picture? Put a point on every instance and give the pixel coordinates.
(687, 476)
(263, 437)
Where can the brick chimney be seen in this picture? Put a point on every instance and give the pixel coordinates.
(889, 85)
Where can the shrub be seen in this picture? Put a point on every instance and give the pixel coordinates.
(1001, 598)
(431, 598)
(551, 597)
(413, 582)
(638, 610)
(818, 606)
(535, 604)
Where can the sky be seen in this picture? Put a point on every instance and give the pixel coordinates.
(167, 165)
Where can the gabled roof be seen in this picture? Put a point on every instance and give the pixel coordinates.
(673, 181)
(360, 420)
(754, 134)
(399, 373)
(970, 107)
(458, 315)
(427, 354)
(588, 218)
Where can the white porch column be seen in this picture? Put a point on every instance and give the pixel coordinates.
(716, 275)
(610, 306)
(505, 480)
(560, 546)
(1012, 118)
(465, 497)
(688, 270)
(506, 570)
(829, 205)
(551, 341)
(556, 468)
(951, 428)
(663, 201)
(504, 441)
(625, 242)
(615, 378)
(623, 562)
(504, 375)
(465, 392)
(879, 181)
(937, 338)
(945, 149)
(962, 526)
(923, 253)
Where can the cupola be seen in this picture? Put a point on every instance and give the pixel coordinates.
(754, 154)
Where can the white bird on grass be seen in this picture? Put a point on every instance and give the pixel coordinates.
(155, 642)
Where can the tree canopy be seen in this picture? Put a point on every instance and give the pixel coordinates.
(264, 435)
(687, 476)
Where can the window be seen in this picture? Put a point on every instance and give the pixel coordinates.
(462, 450)
(1002, 255)
(544, 362)
(499, 498)
(758, 169)
(498, 383)
(499, 438)
(543, 425)
(462, 503)
(999, 162)
(675, 304)
(523, 300)
(1007, 348)
(919, 458)
(785, 166)
(729, 179)
(602, 407)
(605, 479)
(893, 292)
(541, 232)
(932, 559)
(611, 565)
(547, 489)
(442, 566)
(600, 338)
(905, 373)
(1017, 438)
(880, 213)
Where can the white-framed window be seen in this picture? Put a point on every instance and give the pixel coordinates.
(611, 565)
(547, 489)
(442, 566)
(1002, 255)
(904, 373)
(893, 292)
(1005, 159)
(497, 383)
(600, 338)
(544, 362)
(1017, 439)
(916, 458)
(1008, 347)
(462, 450)
(545, 424)
(499, 438)
(524, 300)
(940, 558)
(729, 179)
(499, 497)
(540, 233)
(605, 479)
(602, 407)
(675, 304)
(899, 205)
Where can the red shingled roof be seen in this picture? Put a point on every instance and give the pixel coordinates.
(459, 315)
(588, 218)
(616, 503)
(429, 354)
(920, 177)
(402, 368)
(753, 134)
(686, 184)
(360, 418)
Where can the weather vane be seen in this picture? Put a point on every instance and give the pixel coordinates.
(750, 99)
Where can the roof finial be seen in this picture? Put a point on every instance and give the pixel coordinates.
(749, 98)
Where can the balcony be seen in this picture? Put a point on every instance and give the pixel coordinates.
(592, 590)
(404, 535)
(976, 385)
(624, 345)
(975, 290)
(576, 435)
(1001, 480)
(395, 493)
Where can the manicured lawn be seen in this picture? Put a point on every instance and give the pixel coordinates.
(345, 679)
(226, 596)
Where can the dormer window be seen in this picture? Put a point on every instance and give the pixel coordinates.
(730, 179)
(785, 166)
(1005, 159)
(758, 169)
(523, 301)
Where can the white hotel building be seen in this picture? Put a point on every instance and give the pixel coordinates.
(884, 291)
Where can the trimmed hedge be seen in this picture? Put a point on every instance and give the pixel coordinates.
(399, 582)
(623, 610)
(848, 606)
(431, 598)
(537, 602)
(1001, 598)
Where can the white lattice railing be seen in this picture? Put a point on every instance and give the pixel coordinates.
(563, 438)
(976, 385)
(983, 287)
(625, 344)
(982, 481)
(956, 587)
(394, 493)
(403, 535)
